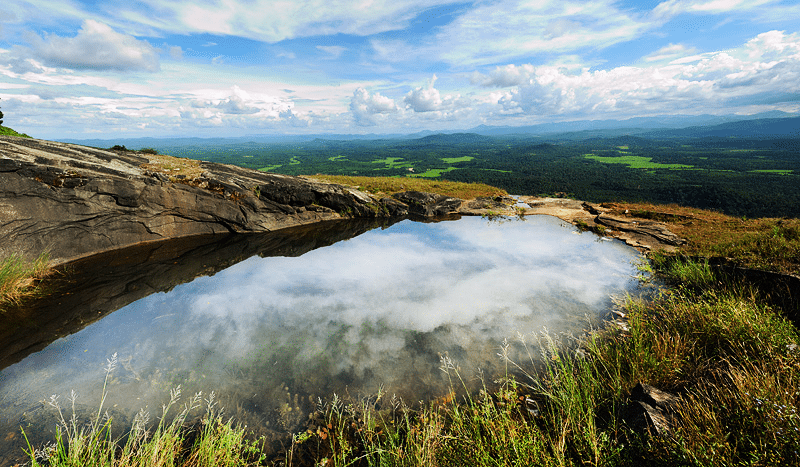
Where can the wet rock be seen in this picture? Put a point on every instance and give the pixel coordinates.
(650, 410)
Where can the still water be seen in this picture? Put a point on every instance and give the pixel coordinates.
(272, 335)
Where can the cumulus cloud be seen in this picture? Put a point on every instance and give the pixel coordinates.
(767, 66)
(367, 108)
(239, 102)
(424, 98)
(98, 47)
(428, 101)
(505, 76)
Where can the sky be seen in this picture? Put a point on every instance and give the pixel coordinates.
(161, 68)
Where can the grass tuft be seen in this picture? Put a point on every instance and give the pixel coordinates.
(19, 278)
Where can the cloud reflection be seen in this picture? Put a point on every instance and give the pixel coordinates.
(378, 309)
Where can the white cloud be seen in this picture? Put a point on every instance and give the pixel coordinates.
(505, 76)
(424, 98)
(670, 52)
(271, 21)
(334, 51)
(97, 47)
(366, 108)
(672, 8)
(501, 31)
(765, 68)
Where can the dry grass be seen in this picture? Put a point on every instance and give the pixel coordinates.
(766, 243)
(389, 185)
(173, 166)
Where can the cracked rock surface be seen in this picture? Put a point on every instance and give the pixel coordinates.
(75, 201)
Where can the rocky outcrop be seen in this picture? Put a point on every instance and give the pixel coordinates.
(74, 201)
(642, 234)
(639, 232)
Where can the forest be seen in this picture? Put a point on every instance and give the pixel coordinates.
(747, 176)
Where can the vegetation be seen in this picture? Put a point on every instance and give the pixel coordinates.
(89, 443)
(9, 132)
(728, 355)
(19, 278)
(732, 362)
(770, 244)
(721, 174)
(390, 185)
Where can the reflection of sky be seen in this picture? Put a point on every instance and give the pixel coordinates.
(374, 309)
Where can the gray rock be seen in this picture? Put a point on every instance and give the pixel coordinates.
(428, 204)
(639, 232)
(75, 201)
(650, 410)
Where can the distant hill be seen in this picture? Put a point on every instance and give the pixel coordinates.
(760, 128)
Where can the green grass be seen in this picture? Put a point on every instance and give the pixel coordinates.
(454, 160)
(636, 162)
(214, 442)
(774, 171)
(733, 363)
(9, 132)
(393, 162)
(19, 278)
(433, 173)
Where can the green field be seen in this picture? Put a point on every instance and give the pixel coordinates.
(636, 162)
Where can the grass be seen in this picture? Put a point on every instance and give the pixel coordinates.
(171, 442)
(767, 244)
(171, 166)
(9, 132)
(390, 185)
(20, 278)
(732, 362)
(636, 162)
(433, 173)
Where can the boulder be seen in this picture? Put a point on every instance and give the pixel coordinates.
(428, 204)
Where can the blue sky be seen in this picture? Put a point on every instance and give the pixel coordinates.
(102, 69)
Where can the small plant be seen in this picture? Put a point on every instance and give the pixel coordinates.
(149, 151)
(217, 442)
(19, 278)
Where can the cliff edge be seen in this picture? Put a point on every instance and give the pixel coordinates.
(75, 201)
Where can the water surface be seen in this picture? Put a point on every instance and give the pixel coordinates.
(273, 335)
